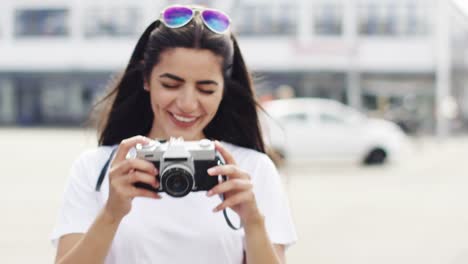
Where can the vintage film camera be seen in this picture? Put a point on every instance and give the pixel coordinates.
(182, 165)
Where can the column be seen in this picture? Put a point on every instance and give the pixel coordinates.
(353, 73)
(443, 67)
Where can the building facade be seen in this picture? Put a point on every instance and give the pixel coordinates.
(404, 60)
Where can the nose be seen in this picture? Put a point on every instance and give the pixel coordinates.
(187, 100)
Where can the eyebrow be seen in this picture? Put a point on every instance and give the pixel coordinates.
(177, 78)
(172, 76)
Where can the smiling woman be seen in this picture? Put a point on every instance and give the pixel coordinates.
(186, 78)
(186, 89)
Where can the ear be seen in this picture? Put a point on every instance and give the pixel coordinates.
(146, 85)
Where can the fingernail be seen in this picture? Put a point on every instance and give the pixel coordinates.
(212, 171)
(215, 210)
(209, 193)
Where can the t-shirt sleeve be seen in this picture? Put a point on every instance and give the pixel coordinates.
(80, 202)
(273, 203)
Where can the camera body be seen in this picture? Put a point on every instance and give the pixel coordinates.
(182, 165)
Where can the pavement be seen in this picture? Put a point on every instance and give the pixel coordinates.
(415, 211)
(407, 213)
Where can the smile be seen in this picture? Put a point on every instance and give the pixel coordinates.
(183, 119)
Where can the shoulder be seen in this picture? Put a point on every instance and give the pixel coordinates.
(243, 152)
(249, 159)
(90, 162)
(94, 157)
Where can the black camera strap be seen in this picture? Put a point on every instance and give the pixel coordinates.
(229, 221)
(226, 217)
(102, 175)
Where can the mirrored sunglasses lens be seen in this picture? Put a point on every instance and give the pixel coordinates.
(216, 21)
(177, 16)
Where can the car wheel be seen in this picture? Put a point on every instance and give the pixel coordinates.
(376, 157)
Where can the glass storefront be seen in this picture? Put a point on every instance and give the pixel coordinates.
(7, 102)
(407, 99)
(49, 99)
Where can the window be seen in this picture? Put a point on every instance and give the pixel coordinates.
(328, 19)
(370, 19)
(393, 18)
(416, 19)
(265, 19)
(112, 21)
(41, 22)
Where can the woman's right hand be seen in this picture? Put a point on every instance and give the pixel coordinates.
(123, 174)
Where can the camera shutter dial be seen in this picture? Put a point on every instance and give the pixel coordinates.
(205, 143)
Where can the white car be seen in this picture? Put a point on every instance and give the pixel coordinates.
(315, 129)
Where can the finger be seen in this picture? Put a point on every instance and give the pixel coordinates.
(229, 186)
(228, 158)
(234, 200)
(229, 170)
(125, 166)
(138, 176)
(126, 144)
(122, 187)
(139, 192)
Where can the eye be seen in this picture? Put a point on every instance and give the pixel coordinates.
(206, 91)
(169, 86)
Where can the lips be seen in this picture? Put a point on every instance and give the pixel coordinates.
(183, 121)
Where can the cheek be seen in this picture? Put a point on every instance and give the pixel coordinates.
(214, 105)
(154, 103)
(160, 101)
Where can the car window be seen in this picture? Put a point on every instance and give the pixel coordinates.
(327, 118)
(295, 118)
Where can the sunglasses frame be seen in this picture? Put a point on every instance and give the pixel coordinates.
(196, 10)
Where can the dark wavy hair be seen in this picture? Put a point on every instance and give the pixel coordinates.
(125, 110)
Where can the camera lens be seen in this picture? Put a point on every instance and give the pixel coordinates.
(177, 182)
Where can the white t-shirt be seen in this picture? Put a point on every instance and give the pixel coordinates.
(174, 230)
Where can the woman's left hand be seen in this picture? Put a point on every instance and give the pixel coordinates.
(237, 190)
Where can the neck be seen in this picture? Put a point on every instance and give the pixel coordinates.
(158, 134)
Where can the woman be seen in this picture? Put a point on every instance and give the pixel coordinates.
(186, 78)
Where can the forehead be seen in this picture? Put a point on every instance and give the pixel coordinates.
(190, 63)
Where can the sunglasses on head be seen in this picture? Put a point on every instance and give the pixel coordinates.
(178, 16)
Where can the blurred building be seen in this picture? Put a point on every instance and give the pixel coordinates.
(404, 60)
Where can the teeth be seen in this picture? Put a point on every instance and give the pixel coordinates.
(184, 119)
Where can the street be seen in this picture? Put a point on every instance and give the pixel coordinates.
(412, 212)
(408, 213)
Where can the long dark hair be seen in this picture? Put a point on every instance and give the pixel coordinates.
(126, 108)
